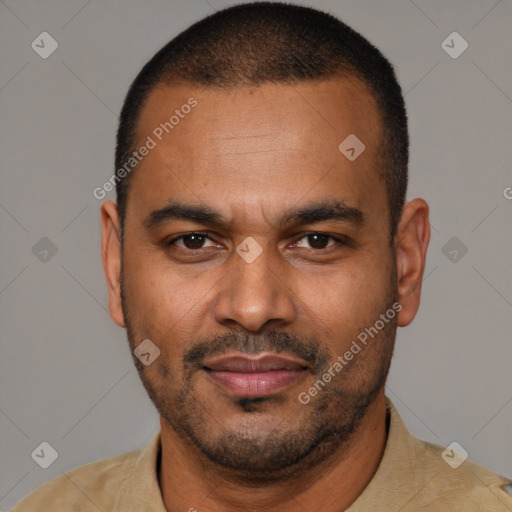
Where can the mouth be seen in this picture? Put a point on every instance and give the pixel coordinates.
(257, 376)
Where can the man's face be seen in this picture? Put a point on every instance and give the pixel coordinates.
(241, 338)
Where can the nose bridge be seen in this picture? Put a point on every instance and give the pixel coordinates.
(254, 291)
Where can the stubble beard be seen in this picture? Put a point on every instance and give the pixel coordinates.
(292, 447)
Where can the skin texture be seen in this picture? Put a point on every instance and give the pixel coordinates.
(253, 154)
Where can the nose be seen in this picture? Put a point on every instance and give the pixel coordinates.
(255, 293)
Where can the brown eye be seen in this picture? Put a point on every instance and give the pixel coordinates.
(191, 241)
(317, 241)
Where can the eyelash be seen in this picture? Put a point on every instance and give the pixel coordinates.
(339, 240)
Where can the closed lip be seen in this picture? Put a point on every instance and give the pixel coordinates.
(242, 363)
(241, 375)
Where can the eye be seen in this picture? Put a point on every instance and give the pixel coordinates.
(319, 241)
(191, 241)
(196, 241)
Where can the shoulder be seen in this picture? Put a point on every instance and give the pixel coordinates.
(418, 476)
(455, 481)
(86, 488)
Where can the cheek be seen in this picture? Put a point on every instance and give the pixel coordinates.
(165, 306)
(348, 299)
(148, 282)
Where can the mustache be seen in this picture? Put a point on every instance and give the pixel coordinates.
(307, 349)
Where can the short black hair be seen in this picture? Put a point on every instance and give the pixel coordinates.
(273, 42)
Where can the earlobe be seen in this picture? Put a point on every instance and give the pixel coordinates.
(411, 243)
(111, 257)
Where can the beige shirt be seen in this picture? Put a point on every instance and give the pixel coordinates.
(412, 477)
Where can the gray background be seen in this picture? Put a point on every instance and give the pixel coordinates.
(66, 375)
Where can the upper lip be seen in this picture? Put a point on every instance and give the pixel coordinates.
(253, 364)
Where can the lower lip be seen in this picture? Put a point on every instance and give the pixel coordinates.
(255, 384)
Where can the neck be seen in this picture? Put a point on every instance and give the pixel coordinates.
(332, 485)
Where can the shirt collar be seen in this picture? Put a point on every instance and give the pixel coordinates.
(141, 491)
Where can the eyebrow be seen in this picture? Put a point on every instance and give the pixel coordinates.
(311, 213)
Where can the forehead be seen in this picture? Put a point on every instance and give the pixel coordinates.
(264, 146)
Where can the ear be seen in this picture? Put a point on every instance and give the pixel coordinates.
(111, 256)
(411, 242)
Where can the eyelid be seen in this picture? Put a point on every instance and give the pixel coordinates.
(173, 240)
(340, 239)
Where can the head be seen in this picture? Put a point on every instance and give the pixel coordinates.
(245, 228)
